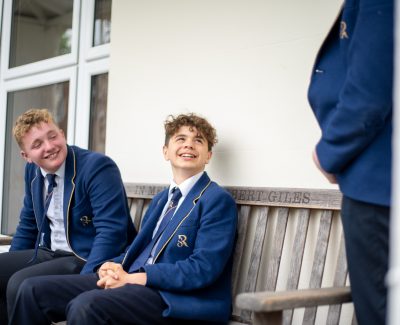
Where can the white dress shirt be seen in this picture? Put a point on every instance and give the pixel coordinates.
(55, 212)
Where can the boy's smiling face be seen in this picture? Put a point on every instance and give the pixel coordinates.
(187, 150)
(45, 145)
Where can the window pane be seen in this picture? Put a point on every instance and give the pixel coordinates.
(41, 29)
(53, 97)
(102, 22)
(98, 112)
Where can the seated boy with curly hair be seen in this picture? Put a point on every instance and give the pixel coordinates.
(178, 268)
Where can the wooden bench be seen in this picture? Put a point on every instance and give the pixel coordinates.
(290, 244)
(5, 240)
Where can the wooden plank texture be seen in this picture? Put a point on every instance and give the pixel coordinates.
(298, 249)
(319, 261)
(243, 222)
(334, 311)
(5, 240)
(297, 257)
(277, 244)
(280, 300)
(283, 197)
(287, 197)
(137, 221)
(255, 256)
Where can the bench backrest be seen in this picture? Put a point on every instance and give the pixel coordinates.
(287, 239)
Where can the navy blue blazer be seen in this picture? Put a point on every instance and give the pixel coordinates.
(96, 215)
(192, 264)
(351, 95)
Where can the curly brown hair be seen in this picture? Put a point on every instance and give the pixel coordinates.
(27, 120)
(173, 123)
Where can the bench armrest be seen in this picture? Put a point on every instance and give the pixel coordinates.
(268, 301)
(5, 240)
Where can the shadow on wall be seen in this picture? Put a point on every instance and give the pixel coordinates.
(221, 168)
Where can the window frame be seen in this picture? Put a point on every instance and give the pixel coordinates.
(1, 20)
(43, 79)
(93, 60)
(83, 104)
(77, 67)
(42, 65)
(89, 52)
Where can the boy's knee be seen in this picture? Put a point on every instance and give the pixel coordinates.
(21, 287)
(19, 290)
(14, 283)
(83, 310)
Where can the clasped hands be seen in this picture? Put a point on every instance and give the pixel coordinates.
(112, 275)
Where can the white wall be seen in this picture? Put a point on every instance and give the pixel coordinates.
(243, 64)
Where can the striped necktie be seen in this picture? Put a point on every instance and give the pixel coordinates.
(51, 178)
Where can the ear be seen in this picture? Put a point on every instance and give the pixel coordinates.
(209, 155)
(165, 153)
(25, 156)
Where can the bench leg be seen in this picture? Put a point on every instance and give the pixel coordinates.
(271, 318)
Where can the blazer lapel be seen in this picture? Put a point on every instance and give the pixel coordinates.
(183, 211)
(69, 183)
(146, 232)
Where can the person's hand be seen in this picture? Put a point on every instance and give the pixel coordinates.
(330, 177)
(109, 269)
(112, 275)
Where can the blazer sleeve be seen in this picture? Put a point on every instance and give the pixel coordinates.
(27, 230)
(365, 99)
(212, 249)
(111, 217)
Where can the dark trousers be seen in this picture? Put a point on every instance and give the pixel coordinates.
(15, 267)
(77, 299)
(366, 230)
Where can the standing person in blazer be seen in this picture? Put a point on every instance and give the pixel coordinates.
(183, 276)
(351, 96)
(87, 221)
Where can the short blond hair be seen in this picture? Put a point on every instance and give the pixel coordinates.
(29, 119)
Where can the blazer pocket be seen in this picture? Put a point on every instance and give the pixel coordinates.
(82, 215)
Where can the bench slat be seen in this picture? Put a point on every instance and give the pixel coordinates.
(138, 214)
(296, 262)
(287, 197)
(243, 223)
(255, 256)
(334, 311)
(298, 249)
(276, 255)
(319, 261)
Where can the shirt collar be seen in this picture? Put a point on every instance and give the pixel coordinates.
(60, 172)
(186, 185)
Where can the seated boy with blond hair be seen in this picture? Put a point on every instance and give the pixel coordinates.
(74, 215)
